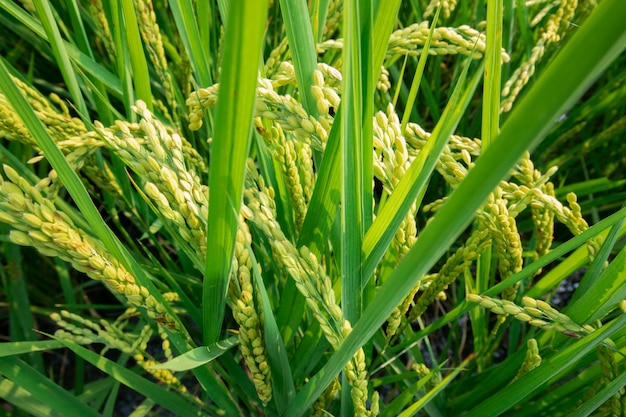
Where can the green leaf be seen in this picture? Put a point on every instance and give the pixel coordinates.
(493, 67)
(295, 15)
(171, 401)
(49, 23)
(231, 142)
(324, 202)
(18, 348)
(353, 153)
(419, 71)
(283, 388)
(40, 387)
(600, 290)
(182, 11)
(198, 356)
(139, 64)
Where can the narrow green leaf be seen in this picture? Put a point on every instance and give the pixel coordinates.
(590, 279)
(319, 11)
(369, 78)
(326, 194)
(419, 71)
(198, 356)
(182, 11)
(139, 64)
(352, 151)
(38, 385)
(605, 292)
(14, 394)
(325, 199)
(165, 398)
(384, 21)
(283, 387)
(58, 48)
(577, 259)
(231, 142)
(18, 348)
(493, 67)
(302, 48)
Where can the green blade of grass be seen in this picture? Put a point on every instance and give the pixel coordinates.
(58, 48)
(171, 401)
(40, 387)
(18, 348)
(283, 388)
(139, 64)
(182, 11)
(369, 76)
(573, 262)
(24, 400)
(419, 71)
(80, 35)
(198, 356)
(591, 277)
(489, 131)
(493, 67)
(606, 290)
(603, 39)
(99, 95)
(319, 12)
(326, 194)
(302, 48)
(352, 151)
(235, 106)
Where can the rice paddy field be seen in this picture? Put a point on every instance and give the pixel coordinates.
(312, 208)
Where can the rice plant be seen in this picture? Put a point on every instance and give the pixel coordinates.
(347, 208)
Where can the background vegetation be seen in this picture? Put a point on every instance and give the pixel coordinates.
(312, 208)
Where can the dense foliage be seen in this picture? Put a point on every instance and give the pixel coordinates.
(323, 208)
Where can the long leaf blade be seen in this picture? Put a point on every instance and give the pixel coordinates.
(231, 142)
